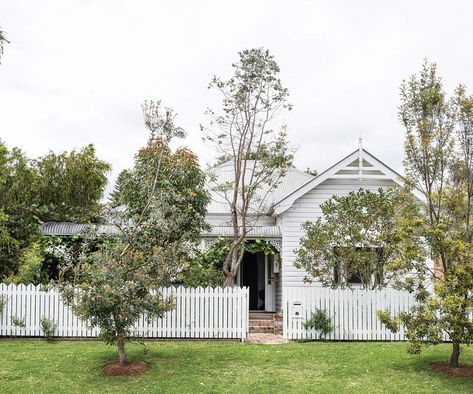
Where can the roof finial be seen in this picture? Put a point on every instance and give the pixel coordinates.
(360, 158)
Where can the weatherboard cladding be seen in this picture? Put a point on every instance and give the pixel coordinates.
(307, 207)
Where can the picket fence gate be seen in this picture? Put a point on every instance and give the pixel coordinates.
(353, 312)
(199, 313)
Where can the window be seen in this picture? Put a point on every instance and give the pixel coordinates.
(367, 274)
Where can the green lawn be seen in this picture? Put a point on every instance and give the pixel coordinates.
(190, 367)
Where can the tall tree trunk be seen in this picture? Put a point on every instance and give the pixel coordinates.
(121, 349)
(455, 355)
(229, 279)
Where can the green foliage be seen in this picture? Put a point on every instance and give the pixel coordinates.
(320, 321)
(385, 317)
(18, 321)
(18, 207)
(48, 326)
(259, 246)
(59, 187)
(180, 186)
(117, 280)
(245, 133)
(206, 267)
(355, 236)
(439, 163)
(71, 185)
(31, 262)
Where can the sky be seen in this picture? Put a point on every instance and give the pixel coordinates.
(77, 71)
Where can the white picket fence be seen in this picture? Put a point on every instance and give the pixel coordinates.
(353, 312)
(198, 313)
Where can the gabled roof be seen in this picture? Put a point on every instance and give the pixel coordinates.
(348, 168)
(224, 173)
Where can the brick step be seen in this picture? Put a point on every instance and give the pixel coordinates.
(261, 326)
(262, 330)
(255, 323)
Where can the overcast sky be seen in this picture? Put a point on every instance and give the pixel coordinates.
(76, 72)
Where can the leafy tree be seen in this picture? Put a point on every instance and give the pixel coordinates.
(31, 262)
(59, 187)
(245, 133)
(181, 184)
(354, 239)
(114, 285)
(438, 163)
(205, 268)
(18, 202)
(71, 185)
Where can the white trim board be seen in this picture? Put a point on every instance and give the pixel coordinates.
(388, 173)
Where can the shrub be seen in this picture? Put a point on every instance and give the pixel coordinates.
(48, 326)
(320, 321)
(18, 321)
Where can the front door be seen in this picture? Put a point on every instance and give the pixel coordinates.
(253, 276)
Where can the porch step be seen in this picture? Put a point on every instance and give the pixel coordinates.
(261, 326)
(261, 315)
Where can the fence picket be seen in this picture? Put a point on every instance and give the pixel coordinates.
(353, 312)
(198, 313)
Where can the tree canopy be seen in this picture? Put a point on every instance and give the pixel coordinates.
(438, 162)
(55, 187)
(164, 201)
(354, 240)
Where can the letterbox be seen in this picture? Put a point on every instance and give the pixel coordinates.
(297, 310)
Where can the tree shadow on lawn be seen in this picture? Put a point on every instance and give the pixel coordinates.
(419, 363)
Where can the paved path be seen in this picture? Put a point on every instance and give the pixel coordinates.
(267, 339)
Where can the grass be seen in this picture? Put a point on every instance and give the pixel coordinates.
(29, 366)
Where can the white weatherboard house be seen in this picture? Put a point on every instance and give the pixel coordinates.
(272, 283)
(296, 200)
(273, 278)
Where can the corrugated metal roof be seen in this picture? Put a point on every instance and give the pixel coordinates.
(292, 180)
(257, 231)
(68, 228)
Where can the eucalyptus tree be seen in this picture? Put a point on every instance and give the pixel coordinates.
(245, 133)
(117, 280)
(439, 163)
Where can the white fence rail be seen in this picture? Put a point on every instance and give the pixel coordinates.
(353, 312)
(198, 313)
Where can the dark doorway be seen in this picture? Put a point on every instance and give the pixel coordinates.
(252, 275)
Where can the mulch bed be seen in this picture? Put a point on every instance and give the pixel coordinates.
(131, 368)
(464, 371)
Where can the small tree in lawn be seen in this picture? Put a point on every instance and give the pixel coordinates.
(439, 162)
(245, 133)
(117, 280)
(354, 239)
